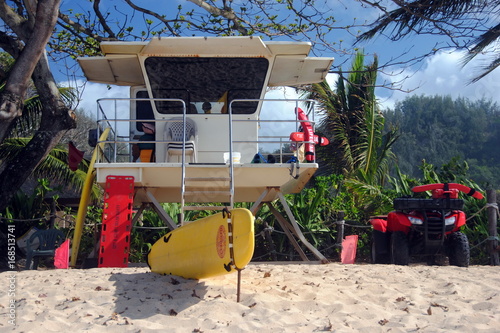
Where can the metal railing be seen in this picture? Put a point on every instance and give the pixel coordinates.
(118, 147)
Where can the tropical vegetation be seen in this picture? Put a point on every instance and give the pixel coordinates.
(457, 20)
(360, 149)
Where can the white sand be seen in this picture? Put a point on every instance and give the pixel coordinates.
(274, 298)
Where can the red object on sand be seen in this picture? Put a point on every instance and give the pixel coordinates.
(424, 227)
(61, 257)
(349, 246)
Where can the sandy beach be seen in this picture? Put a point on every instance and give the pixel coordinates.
(274, 298)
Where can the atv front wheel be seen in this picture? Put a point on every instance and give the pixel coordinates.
(400, 248)
(458, 249)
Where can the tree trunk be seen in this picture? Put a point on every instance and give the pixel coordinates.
(56, 117)
(35, 33)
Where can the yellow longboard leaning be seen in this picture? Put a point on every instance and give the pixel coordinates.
(85, 198)
(202, 249)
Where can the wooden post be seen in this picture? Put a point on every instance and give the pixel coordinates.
(491, 197)
(340, 230)
(52, 214)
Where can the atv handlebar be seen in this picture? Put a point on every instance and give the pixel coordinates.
(441, 190)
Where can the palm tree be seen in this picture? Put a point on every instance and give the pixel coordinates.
(54, 167)
(354, 125)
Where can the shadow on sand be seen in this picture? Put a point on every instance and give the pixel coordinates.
(142, 295)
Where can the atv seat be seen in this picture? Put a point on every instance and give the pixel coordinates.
(428, 204)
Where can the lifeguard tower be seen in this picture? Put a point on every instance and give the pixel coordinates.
(204, 97)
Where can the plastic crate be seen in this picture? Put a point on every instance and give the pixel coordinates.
(432, 204)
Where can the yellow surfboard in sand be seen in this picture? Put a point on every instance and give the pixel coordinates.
(206, 247)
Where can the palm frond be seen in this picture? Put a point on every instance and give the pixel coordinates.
(487, 69)
(54, 167)
(412, 16)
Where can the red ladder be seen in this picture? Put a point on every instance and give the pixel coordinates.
(116, 221)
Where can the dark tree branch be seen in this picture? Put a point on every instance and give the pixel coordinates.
(102, 20)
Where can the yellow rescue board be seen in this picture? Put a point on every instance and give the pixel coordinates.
(202, 249)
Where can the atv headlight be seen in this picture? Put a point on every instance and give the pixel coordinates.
(415, 220)
(450, 220)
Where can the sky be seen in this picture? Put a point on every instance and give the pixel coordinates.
(440, 74)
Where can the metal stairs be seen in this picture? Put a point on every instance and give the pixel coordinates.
(201, 189)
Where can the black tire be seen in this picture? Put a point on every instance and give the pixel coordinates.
(400, 248)
(377, 257)
(458, 249)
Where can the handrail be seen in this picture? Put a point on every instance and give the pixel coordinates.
(183, 159)
(115, 141)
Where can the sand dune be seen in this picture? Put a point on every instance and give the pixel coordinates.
(274, 298)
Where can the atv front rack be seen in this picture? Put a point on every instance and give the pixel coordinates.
(428, 204)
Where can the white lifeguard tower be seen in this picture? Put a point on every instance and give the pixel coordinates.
(204, 96)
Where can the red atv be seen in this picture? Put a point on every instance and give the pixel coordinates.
(424, 227)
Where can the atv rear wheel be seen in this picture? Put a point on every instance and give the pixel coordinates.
(458, 249)
(400, 248)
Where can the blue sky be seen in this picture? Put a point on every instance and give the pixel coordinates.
(440, 74)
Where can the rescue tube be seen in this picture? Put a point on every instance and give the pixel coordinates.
(307, 134)
(439, 190)
(318, 140)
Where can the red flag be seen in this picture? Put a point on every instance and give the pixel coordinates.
(75, 156)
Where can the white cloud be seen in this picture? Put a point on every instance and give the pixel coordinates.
(95, 91)
(443, 74)
(90, 92)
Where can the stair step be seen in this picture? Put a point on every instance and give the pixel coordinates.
(201, 179)
(200, 187)
(203, 207)
(206, 192)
